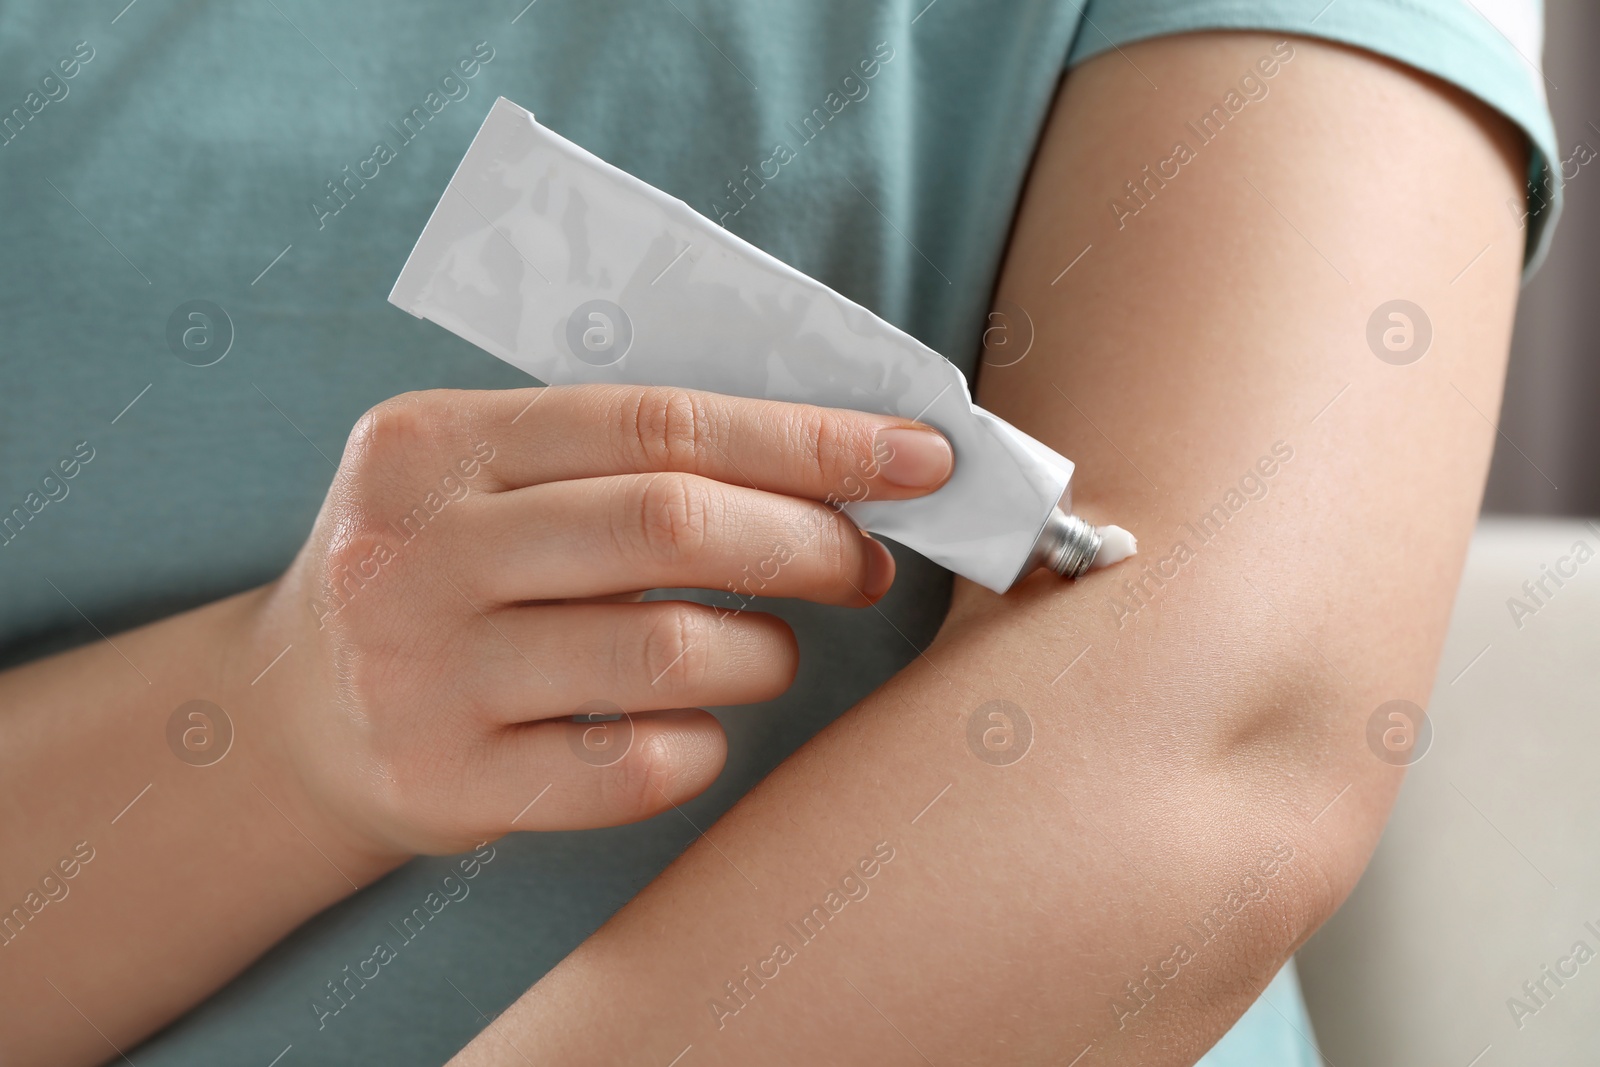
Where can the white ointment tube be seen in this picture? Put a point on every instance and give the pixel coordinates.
(576, 271)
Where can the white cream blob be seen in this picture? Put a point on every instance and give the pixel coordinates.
(1116, 545)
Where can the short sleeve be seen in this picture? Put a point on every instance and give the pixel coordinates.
(1489, 48)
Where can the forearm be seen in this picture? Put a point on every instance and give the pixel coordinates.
(1019, 898)
(136, 882)
(1220, 703)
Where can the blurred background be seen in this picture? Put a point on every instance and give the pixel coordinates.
(1554, 383)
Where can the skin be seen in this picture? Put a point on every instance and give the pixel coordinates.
(1227, 716)
(1172, 750)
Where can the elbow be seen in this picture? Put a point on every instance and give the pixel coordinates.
(1297, 750)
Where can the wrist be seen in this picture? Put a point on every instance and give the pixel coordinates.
(277, 681)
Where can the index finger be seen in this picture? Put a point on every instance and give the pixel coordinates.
(591, 431)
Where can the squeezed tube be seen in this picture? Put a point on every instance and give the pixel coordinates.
(575, 271)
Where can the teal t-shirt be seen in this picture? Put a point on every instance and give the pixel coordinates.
(267, 166)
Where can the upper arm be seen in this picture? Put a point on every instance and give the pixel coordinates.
(1209, 356)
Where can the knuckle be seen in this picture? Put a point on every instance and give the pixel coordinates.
(641, 781)
(762, 651)
(356, 551)
(393, 429)
(785, 659)
(354, 559)
(674, 517)
(672, 428)
(836, 546)
(676, 653)
(820, 440)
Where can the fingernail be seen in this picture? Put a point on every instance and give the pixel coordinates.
(913, 459)
(880, 569)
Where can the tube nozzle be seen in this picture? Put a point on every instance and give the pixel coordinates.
(1071, 547)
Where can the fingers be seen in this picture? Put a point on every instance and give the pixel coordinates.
(536, 662)
(604, 536)
(562, 775)
(636, 667)
(591, 493)
(592, 431)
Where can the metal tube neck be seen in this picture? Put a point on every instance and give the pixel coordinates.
(1067, 545)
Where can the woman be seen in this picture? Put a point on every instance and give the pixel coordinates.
(1262, 261)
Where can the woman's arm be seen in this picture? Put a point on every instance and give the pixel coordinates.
(408, 685)
(135, 882)
(1199, 793)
